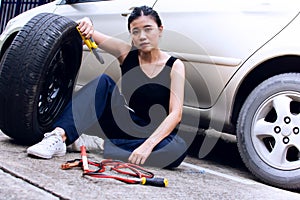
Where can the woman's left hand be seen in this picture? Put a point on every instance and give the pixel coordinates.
(140, 155)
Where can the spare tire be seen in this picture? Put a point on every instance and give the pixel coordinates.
(37, 76)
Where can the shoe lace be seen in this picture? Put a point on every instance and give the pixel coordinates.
(50, 138)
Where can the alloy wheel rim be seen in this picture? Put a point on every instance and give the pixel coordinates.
(275, 131)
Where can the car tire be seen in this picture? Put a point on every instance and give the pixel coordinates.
(37, 76)
(268, 131)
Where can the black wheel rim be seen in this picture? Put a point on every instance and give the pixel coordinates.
(56, 90)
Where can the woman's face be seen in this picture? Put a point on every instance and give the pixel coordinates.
(145, 33)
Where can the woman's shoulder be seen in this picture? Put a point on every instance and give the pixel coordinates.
(129, 58)
(176, 64)
(173, 60)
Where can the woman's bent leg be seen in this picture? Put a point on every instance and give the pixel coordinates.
(86, 107)
(83, 111)
(169, 153)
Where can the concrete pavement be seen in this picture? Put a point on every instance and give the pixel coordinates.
(24, 177)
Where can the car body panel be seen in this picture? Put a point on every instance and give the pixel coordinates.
(284, 44)
(219, 38)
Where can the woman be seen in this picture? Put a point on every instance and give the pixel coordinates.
(144, 130)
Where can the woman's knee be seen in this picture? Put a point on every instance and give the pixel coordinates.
(169, 153)
(104, 85)
(105, 79)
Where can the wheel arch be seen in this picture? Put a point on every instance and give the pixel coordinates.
(261, 72)
(7, 43)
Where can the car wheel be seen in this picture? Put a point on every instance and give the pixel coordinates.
(268, 131)
(37, 76)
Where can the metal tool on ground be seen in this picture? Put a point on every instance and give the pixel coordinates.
(93, 47)
(115, 169)
(85, 165)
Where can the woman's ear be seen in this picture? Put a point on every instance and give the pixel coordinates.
(161, 28)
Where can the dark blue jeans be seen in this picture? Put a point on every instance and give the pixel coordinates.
(101, 102)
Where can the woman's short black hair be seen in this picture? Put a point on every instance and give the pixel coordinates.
(144, 11)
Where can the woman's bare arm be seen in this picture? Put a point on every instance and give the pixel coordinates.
(111, 45)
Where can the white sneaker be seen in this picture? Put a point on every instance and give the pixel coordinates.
(92, 143)
(51, 145)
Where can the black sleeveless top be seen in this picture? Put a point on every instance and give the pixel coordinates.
(146, 96)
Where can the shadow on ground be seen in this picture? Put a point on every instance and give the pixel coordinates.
(224, 152)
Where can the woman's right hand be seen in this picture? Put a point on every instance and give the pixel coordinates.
(86, 27)
(114, 46)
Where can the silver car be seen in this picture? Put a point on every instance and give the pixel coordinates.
(242, 68)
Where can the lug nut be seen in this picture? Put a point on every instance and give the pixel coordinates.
(287, 120)
(277, 129)
(286, 140)
(295, 130)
